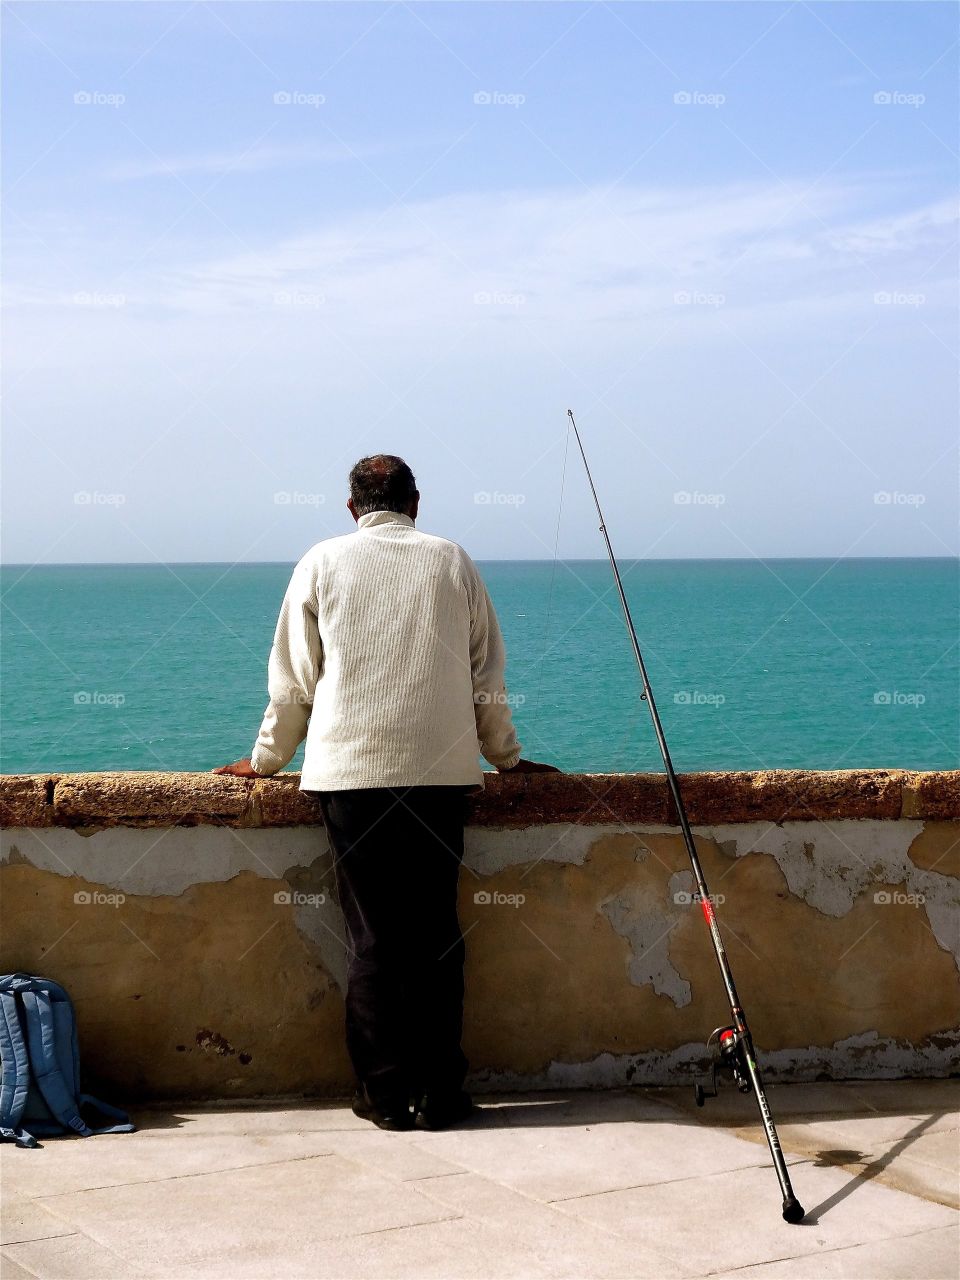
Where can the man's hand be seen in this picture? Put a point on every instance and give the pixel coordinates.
(239, 769)
(529, 766)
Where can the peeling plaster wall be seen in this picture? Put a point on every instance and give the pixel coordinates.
(208, 960)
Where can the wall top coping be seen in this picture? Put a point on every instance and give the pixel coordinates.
(91, 801)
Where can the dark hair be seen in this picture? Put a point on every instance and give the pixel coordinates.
(382, 482)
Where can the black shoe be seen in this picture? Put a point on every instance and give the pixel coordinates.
(440, 1110)
(385, 1115)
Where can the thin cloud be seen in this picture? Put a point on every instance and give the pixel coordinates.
(899, 232)
(609, 255)
(254, 161)
(760, 254)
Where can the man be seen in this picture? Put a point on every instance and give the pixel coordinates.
(388, 658)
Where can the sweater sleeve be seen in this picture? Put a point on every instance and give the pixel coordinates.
(292, 673)
(495, 729)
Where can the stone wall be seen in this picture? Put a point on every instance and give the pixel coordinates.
(193, 918)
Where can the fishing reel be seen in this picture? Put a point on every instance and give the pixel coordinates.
(730, 1061)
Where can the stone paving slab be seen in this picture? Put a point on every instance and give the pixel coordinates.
(927, 1256)
(928, 1181)
(25, 1219)
(557, 1163)
(246, 1117)
(392, 1156)
(111, 1160)
(895, 1095)
(68, 1257)
(904, 1134)
(882, 1128)
(628, 1185)
(850, 1098)
(580, 1108)
(567, 1245)
(10, 1269)
(924, 1164)
(427, 1251)
(733, 1219)
(940, 1149)
(216, 1217)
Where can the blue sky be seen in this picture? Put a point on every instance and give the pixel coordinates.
(247, 243)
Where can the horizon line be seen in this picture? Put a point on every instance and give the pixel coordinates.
(161, 564)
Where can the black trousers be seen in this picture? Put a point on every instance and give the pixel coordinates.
(397, 855)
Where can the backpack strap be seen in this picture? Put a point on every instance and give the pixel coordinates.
(59, 999)
(43, 1061)
(121, 1121)
(16, 1074)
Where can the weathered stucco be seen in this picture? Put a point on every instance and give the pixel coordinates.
(194, 920)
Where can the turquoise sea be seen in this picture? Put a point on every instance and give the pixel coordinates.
(785, 663)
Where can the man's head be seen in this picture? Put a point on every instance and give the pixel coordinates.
(382, 482)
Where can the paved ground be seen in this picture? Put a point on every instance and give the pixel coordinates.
(579, 1185)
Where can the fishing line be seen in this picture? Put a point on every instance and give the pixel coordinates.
(553, 571)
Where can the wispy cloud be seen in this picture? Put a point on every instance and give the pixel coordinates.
(901, 232)
(255, 160)
(621, 267)
(619, 255)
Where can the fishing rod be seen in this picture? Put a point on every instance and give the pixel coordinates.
(736, 1054)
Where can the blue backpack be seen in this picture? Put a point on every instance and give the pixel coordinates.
(40, 1080)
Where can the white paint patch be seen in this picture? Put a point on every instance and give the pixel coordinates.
(861, 1057)
(325, 927)
(164, 861)
(647, 926)
(488, 850)
(828, 865)
(831, 864)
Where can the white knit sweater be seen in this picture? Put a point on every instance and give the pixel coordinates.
(388, 657)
